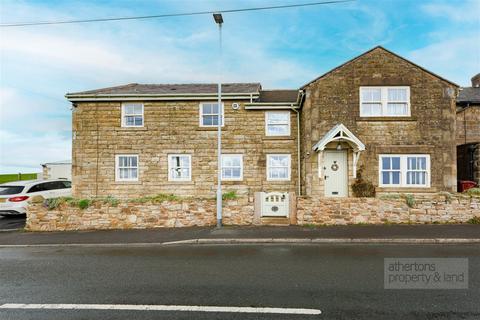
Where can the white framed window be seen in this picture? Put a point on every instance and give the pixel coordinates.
(384, 101)
(132, 114)
(126, 167)
(277, 123)
(404, 170)
(179, 167)
(232, 167)
(278, 167)
(210, 114)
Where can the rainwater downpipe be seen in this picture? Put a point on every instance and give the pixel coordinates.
(298, 151)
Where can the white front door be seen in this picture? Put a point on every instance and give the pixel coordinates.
(335, 169)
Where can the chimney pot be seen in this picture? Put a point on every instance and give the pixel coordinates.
(476, 80)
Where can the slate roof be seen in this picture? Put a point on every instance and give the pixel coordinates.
(172, 89)
(277, 96)
(469, 95)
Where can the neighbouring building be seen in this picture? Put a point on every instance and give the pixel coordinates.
(468, 132)
(57, 170)
(378, 111)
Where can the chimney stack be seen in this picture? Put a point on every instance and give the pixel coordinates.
(476, 80)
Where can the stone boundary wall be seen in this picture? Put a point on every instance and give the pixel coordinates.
(101, 216)
(190, 212)
(426, 209)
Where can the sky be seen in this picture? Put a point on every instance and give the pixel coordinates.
(283, 48)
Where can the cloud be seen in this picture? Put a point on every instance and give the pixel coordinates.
(39, 65)
(464, 11)
(454, 48)
(25, 151)
(452, 58)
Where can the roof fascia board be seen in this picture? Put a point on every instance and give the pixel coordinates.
(270, 107)
(159, 94)
(152, 97)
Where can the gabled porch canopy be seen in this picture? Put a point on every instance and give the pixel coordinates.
(339, 133)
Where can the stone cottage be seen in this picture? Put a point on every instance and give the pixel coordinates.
(468, 132)
(378, 111)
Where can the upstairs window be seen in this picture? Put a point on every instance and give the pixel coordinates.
(277, 123)
(404, 170)
(210, 114)
(126, 167)
(132, 115)
(384, 101)
(179, 167)
(232, 167)
(278, 167)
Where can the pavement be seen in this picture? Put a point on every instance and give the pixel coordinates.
(341, 281)
(355, 233)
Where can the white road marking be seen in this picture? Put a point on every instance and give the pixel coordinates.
(139, 307)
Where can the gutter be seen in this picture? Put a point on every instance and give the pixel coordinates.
(270, 106)
(140, 97)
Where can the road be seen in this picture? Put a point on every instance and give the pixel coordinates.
(12, 222)
(343, 281)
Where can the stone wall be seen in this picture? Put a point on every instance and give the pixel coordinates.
(468, 125)
(427, 209)
(172, 127)
(129, 215)
(334, 98)
(439, 208)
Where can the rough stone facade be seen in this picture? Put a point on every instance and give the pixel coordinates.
(334, 98)
(431, 209)
(468, 125)
(439, 208)
(170, 128)
(129, 215)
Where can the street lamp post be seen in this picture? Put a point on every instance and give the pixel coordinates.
(219, 21)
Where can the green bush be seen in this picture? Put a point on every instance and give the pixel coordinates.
(473, 192)
(156, 199)
(84, 203)
(392, 196)
(410, 200)
(231, 195)
(362, 188)
(54, 203)
(474, 220)
(109, 200)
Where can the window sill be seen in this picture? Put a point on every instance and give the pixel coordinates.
(127, 182)
(232, 182)
(379, 119)
(173, 182)
(406, 189)
(277, 138)
(209, 129)
(131, 129)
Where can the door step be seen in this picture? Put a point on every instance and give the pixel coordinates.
(275, 221)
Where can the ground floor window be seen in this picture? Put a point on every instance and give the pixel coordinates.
(232, 167)
(126, 167)
(179, 167)
(407, 170)
(278, 166)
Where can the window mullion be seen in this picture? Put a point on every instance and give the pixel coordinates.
(384, 98)
(403, 170)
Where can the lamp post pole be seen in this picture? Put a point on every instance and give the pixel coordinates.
(219, 21)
